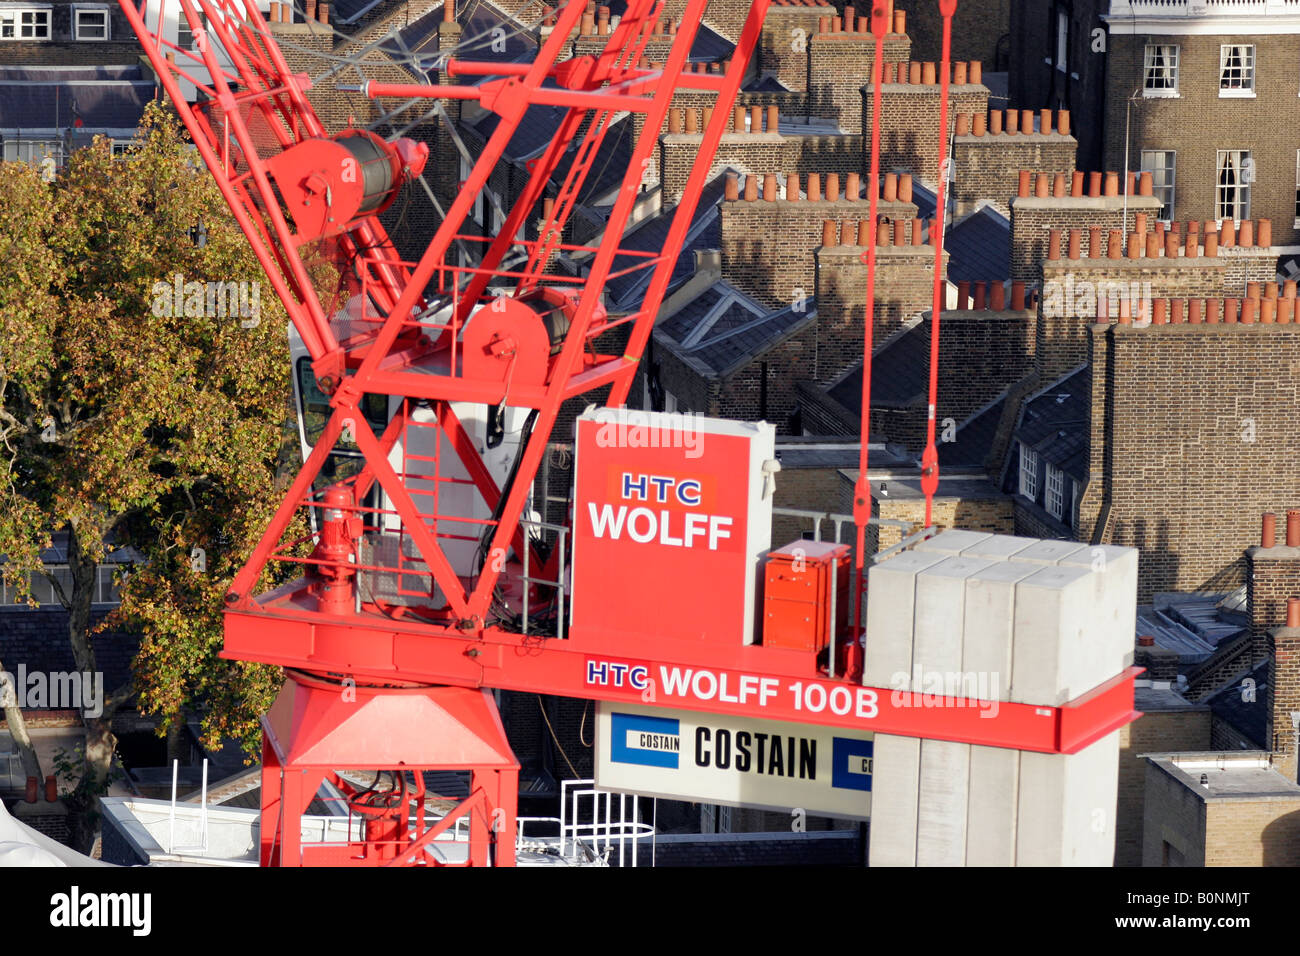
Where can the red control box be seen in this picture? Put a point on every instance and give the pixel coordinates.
(806, 587)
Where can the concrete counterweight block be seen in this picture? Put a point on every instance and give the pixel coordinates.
(989, 624)
(1066, 807)
(1047, 552)
(939, 624)
(999, 546)
(1051, 631)
(896, 761)
(941, 808)
(1113, 619)
(993, 804)
(969, 619)
(953, 541)
(891, 607)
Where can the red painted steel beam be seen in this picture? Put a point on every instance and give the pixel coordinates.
(544, 96)
(751, 681)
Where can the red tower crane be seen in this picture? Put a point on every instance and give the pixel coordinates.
(396, 682)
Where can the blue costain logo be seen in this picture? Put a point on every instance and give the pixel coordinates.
(649, 741)
(851, 764)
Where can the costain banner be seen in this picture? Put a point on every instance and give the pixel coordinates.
(672, 514)
(739, 762)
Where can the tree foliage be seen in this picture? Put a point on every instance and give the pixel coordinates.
(133, 417)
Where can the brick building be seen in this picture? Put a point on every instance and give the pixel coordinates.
(980, 31)
(1219, 809)
(1058, 61)
(1168, 723)
(1206, 95)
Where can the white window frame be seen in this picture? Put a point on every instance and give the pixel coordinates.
(1054, 495)
(1028, 487)
(31, 150)
(1243, 167)
(12, 26)
(1246, 51)
(96, 9)
(1164, 191)
(1149, 67)
(184, 35)
(1062, 40)
(1297, 188)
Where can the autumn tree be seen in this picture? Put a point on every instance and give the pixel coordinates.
(137, 411)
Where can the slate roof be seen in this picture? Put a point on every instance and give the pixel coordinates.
(535, 130)
(420, 38)
(488, 35)
(974, 438)
(1210, 616)
(1288, 267)
(724, 330)
(767, 83)
(625, 293)
(1171, 635)
(345, 11)
(897, 373)
(96, 97)
(797, 453)
(607, 169)
(926, 203)
(1235, 706)
(1055, 424)
(1194, 626)
(979, 247)
(478, 20)
(711, 46)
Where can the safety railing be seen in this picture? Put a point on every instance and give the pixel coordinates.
(605, 831)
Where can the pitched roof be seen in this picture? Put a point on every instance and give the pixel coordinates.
(897, 372)
(626, 292)
(724, 329)
(979, 247)
(974, 437)
(1194, 626)
(511, 44)
(608, 167)
(535, 131)
(37, 639)
(1054, 423)
(1245, 706)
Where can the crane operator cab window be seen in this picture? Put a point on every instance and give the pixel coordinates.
(314, 411)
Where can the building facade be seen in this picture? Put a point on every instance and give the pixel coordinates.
(1058, 60)
(1207, 97)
